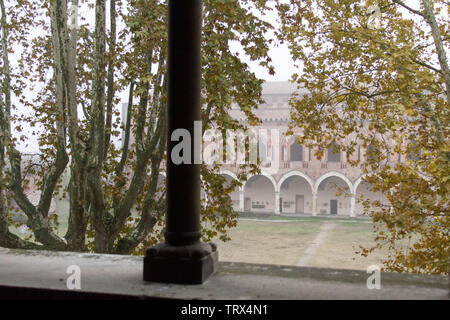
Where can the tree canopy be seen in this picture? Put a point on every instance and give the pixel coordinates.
(376, 74)
(64, 79)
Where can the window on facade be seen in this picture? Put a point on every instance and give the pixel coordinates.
(413, 152)
(334, 155)
(261, 151)
(296, 152)
(372, 153)
(251, 148)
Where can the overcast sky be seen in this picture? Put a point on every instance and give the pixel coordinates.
(280, 55)
(281, 60)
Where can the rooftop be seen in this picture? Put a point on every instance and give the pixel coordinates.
(278, 87)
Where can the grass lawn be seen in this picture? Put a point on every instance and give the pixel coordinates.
(272, 241)
(284, 240)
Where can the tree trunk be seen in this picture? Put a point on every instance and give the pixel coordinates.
(97, 136)
(442, 56)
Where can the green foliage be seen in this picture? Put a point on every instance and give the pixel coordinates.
(70, 79)
(387, 87)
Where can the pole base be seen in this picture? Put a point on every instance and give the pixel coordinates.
(192, 264)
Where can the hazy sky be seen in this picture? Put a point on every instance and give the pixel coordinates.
(281, 60)
(284, 66)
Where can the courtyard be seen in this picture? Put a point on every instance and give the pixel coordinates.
(321, 241)
(302, 241)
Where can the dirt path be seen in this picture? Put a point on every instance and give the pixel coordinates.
(318, 240)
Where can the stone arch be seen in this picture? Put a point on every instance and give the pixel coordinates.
(357, 182)
(366, 191)
(296, 173)
(361, 179)
(268, 176)
(328, 201)
(235, 194)
(232, 175)
(263, 197)
(333, 174)
(295, 193)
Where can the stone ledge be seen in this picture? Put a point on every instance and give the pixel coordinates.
(110, 276)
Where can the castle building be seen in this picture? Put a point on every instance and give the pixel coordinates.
(299, 183)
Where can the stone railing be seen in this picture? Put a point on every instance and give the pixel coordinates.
(27, 274)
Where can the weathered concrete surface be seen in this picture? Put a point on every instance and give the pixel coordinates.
(123, 275)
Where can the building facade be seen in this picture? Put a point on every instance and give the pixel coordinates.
(299, 183)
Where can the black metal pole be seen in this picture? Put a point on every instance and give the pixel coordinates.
(182, 258)
(183, 180)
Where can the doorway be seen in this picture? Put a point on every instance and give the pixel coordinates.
(299, 204)
(247, 204)
(333, 206)
(281, 205)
